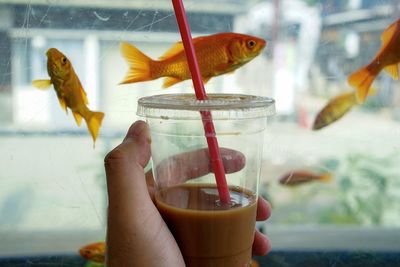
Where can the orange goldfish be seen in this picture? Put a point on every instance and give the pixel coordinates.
(69, 91)
(387, 58)
(301, 176)
(216, 54)
(94, 252)
(336, 108)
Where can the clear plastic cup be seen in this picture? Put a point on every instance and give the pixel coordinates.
(208, 232)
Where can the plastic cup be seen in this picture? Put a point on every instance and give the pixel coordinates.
(208, 232)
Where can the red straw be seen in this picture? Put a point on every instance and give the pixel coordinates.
(215, 157)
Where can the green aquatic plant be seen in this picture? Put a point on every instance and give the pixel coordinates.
(366, 191)
(93, 264)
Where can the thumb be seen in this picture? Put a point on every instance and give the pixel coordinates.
(129, 202)
(124, 166)
(135, 229)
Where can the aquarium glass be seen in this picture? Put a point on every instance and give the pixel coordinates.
(52, 182)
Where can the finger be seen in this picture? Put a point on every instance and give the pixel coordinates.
(132, 216)
(261, 244)
(194, 164)
(232, 160)
(263, 209)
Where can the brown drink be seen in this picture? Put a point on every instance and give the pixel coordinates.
(208, 233)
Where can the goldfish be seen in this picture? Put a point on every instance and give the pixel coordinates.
(336, 108)
(386, 58)
(69, 91)
(301, 176)
(216, 54)
(94, 252)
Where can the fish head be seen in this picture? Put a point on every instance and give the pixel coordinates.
(58, 64)
(246, 47)
(93, 252)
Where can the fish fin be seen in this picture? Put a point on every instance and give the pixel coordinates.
(174, 50)
(63, 104)
(206, 79)
(178, 48)
(83, 93)
(372, 91)
(78, 118)
(84, 96)
(139, 64)
(93, 121)
(361, 80)
(388, 33)
(386, 36)
(224, 68)
(169, 81)
(393, 71)
(326, 177)
(42, 84)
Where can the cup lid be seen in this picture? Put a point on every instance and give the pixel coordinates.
(222, 106)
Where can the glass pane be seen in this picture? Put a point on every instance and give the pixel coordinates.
(52, 181)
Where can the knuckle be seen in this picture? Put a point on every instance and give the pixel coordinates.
(116, 155)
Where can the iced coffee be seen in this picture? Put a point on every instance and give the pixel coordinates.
(209, 232)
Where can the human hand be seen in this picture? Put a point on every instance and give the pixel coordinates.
(136, 233)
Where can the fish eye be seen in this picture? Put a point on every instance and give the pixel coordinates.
(251, 43)
(86, 252)
(63, 60)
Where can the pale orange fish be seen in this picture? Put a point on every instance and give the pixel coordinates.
(69, 91)
(388, 58)
(94, 252)
(302, 176)
(254, 263)
(336, 108)
(217, 54)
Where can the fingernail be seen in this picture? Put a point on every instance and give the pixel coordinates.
(138, 128)
(135, 130)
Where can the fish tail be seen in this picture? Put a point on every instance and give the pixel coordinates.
(93, 120)
(139, 64)
(326, 177)
(362, 80)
